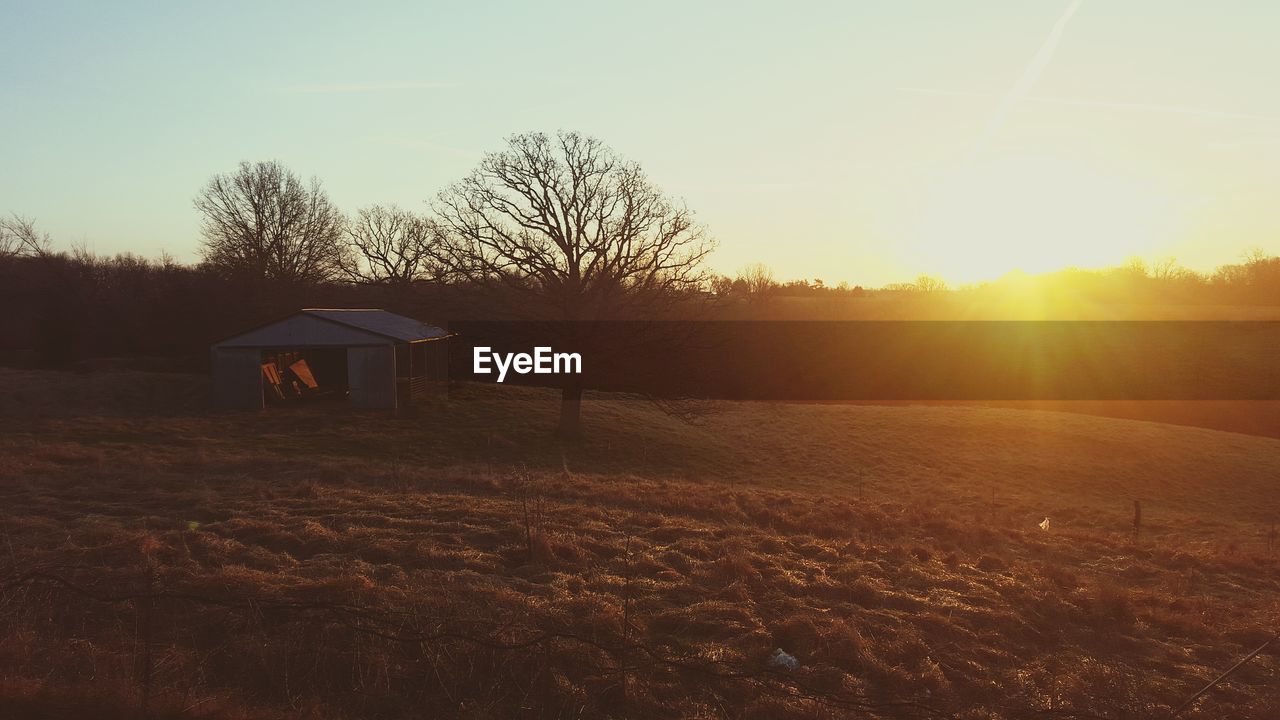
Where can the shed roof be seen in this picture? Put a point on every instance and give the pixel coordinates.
(380, 322)
(331, 327)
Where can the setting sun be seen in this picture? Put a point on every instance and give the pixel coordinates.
(976, 220)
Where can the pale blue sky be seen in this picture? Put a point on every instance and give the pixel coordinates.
(842, 140)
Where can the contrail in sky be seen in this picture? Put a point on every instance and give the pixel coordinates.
(1030, 76)
(361, 87)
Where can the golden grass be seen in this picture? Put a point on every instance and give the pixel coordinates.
(275, 564)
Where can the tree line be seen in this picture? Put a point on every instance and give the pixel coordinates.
(552, 226)
(561, 227)
(1254, 280)
(562, 220)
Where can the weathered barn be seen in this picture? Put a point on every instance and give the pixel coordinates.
(370, 358)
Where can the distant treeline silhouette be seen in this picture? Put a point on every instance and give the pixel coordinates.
(1253, 281)
(555, 227)
(61, 307)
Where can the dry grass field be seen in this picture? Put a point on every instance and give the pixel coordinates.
(161, 561)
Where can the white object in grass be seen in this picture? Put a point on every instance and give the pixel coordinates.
(784, 660)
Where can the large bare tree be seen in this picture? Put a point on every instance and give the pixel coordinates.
(575, 230)
(262, 219)
(392, 246)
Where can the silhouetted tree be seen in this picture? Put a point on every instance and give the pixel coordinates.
(575, 230)
(20, 238)
(1166, 268)
(392, 246)
(929, 284)
(757, 280)
(263, 221)
(720, 285)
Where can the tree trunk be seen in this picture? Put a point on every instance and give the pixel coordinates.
(570, 427)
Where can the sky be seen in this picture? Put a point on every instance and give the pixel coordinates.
(849, 141)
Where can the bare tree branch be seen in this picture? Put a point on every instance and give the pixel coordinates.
(392, 246)
(263, 220)
(579, 230)
(20, 238)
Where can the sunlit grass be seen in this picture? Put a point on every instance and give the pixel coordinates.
(895, 551)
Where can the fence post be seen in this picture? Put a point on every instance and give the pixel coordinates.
(146, 622)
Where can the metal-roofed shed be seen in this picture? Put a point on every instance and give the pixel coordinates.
(371, 358)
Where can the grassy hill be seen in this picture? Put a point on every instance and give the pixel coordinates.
(325, 563)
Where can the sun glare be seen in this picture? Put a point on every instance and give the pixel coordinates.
(984, 218)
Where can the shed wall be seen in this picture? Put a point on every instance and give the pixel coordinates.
(237, 378)
(371, 376)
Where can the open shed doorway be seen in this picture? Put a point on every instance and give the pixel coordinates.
(304, 375)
